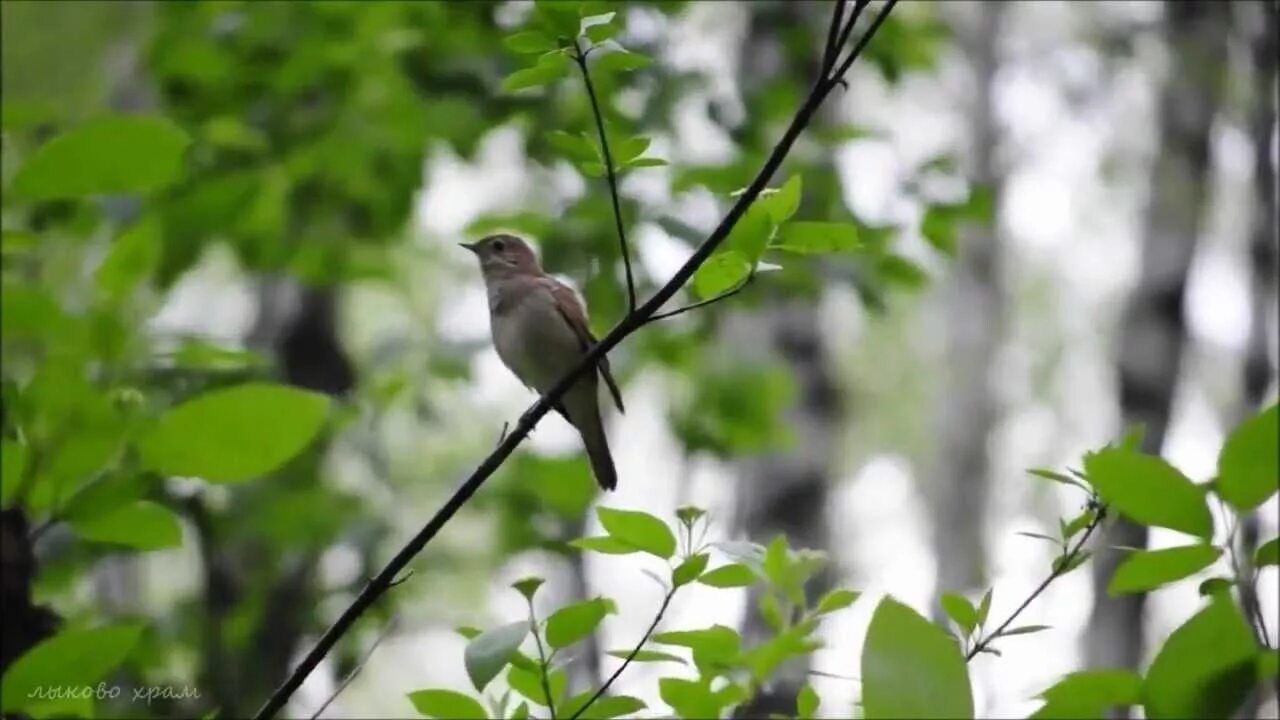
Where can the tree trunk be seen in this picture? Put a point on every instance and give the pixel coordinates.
(975, 315)
(787, 491)
(1153, 328)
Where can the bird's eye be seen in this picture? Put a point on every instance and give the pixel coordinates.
(498, 245)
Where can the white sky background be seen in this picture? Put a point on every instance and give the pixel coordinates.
(1066, 230)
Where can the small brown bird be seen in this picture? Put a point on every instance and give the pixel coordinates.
(540, 332)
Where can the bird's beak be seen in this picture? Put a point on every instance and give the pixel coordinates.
(469, 246)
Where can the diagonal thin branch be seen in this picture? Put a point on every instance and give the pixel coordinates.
(703, 303)
(666, 602)
(629, 324)
(580, 58)
(356, 670)
(833, 29)
(1059, 569)
(866, 36)
(845, 32)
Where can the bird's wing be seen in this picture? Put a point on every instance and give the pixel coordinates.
(571, 310)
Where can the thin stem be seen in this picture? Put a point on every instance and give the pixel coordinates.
(832, 47)
(846, 31)
(1058, 571)
(356, 670)
(703, 303)
(838, 77)
(666, 602)
(588, 362)
(581, 58)
(542, 662)
(1245, 582)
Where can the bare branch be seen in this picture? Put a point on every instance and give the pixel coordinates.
(833, 30)
(580, 58)
(666, 602)
(356, 670)
(633, 321)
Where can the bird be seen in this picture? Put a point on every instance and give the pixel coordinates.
(540, 331)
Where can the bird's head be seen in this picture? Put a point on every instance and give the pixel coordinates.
(502, 255)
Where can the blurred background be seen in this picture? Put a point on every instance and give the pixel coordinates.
(1074, 210)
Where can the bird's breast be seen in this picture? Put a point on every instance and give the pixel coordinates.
(534, 340)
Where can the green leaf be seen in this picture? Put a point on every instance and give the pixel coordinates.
(1089, 694)
(750, 235)
(575, 147)
(984, 606)
(1148, 569)
(604, 544)
(689, 570)
(1205, 668)
(490, 651)
(528, 586)
(521, 712)
(235, 433)
(529, 42)
(1024, 630)
(72, 658)
(528, 682)
(1056, 477)
(572, 623)
(647, 162)
(911, 668)
(688, 515)
(811, 238)
(447, 704)
(720, 272)
(1149, 491)
(607, 706)
(783, 203)
(560, 17)
(630, 149)
(639, 530)
(13, 464)
(621, 61)
(467, 631)
(141, 524)
(132, 258)
(959, 608)
(938, 226)
(806, 702)
(647, 656)
(602, 31)
(1214, 585)
(729, 576)
(1066, 563)
(530, 78)
(901, 271)
(689, 698)
(1077, 523)
(712, 647)
(837, 599)
(1268, 554)
(108, 155)
(1249, 465)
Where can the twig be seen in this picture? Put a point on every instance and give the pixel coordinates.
(386, 631)
(703, 303)
(666, 602)
(838, 77)
(581, 58)
(858, 7)
(629, 324)
(833, 29)
(1059, 569)
(1245, 583)
(542, 662)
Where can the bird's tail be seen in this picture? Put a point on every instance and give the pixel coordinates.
(597, 444)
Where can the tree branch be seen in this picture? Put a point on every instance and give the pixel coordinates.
(581, 58)
(666, 602)
(356, 670)
(1061, 567)
(629, 324)
(703, 303)
(833, 30)
(542, 663)
(858, 7)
